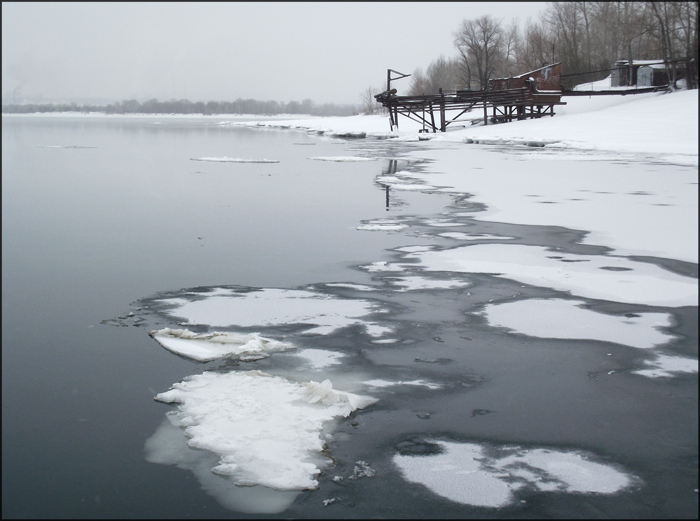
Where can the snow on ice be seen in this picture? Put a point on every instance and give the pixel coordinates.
(270, 306)
(556, 318)
(212, 346)
(266, 430)
(466, 473)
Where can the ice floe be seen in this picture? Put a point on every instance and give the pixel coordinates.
(421, 283)
(467, 473)
(343, 159)
(233, 160)
(442, 223)
(318, 312)
(385, 383)
(386, 225)
(266, 430)
(668, 366)
(382, 266)
(212, 346)
(612, 278)
(349, 285)
(557, 318)
(472, 236)
(320, 358)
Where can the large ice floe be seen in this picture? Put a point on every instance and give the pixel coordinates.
(318, 313)
(557, 318)
(617, 279)
(264, 430)
(469, 473)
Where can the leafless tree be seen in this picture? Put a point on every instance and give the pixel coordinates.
(420, 86)
(369, 104)
(480, 43)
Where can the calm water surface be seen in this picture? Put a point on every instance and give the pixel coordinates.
(101, 212)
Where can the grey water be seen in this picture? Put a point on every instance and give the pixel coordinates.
(102, 212)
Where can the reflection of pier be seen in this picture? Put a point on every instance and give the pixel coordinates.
(389, 170)
(530, 95)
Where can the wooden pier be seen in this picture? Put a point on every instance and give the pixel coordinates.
(530, 95)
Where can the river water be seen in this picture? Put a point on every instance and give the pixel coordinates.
(103, 216)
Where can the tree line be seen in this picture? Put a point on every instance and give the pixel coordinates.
(585, 37)
(183, 106)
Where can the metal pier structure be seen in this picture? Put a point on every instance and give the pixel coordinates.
(530, 95)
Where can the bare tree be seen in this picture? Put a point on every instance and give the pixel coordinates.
(480, 43)
(420, 86)
(369, 103)
(535, 48)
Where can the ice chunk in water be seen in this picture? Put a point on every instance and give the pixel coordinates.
(266, 430)
(211, 346)
(465, 473)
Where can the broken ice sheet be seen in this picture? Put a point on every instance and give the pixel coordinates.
(422, 283)
(664, 366)
(587, 276)
(320, 358)
(264, 431)
(466, 473)
(558, 318)
(388, 225)
(321, 313)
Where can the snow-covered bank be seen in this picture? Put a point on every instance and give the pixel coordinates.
(664, 125)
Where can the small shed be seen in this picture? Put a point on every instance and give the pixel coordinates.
(645, 73)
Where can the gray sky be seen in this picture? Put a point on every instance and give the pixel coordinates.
(328, 52)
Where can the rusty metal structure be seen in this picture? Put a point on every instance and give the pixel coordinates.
(530, 95)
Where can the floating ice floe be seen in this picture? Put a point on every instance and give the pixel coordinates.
(320, 313)
(385, 225)
(212, 346)
(612, 278)
(419, 283)
(382, 266)
(441, 223)
(358, 287)
(385, 383)
(343, 159)
(320, 358)
(266, 430)
(233, 160)
(557, 318)
(472, 236)
(412, 187)
(466, 473)
(667, 366)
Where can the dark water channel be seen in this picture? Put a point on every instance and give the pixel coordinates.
(99, 215)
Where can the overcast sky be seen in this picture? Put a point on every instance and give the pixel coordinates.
(328, 52)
